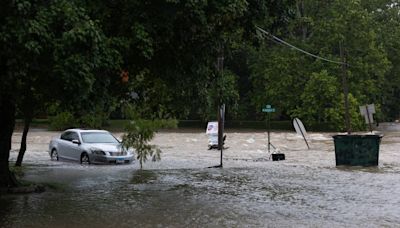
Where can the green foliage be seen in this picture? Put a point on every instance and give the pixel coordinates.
(62, 121)
(278, 78)
(95, 114)
(140, 132)
(320, 100)
(171, 49)
(56, 53)
(72, 53)
(323, 102)
(387, 20)
(19, 171)
(222, 90)
(299, 85)
(93, 120)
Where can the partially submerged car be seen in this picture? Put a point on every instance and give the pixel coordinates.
(89, 146)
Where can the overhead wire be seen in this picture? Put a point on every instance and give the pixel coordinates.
(276, 39)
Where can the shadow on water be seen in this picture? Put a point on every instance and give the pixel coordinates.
(5, 208)
(384, 168)
(143, 177)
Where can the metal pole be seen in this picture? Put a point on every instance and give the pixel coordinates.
(221, 122)
(369, 120)
(268, 126)
(220, 137)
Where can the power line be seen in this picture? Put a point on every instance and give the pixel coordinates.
(298, 49)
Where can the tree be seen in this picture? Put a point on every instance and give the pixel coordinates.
(171, 48)
(320, 27)
(386, 16)
(52, 52)
(139, 132)
(322, 103)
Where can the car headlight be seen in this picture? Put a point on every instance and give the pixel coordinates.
(129, 151)
(97, 151)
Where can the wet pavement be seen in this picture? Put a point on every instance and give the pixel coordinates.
(305, 190)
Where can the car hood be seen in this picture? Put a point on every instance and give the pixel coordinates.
(110, 147)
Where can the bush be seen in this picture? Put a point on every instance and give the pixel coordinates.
(323, 102)
(93, 120)
(62, 121)
(140, 132)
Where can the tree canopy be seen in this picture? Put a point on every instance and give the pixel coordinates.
(85, 60)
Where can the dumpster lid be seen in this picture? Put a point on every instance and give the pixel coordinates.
(358, 135)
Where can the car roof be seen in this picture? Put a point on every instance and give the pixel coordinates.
(84, 130)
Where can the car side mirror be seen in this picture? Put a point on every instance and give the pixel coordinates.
(75, 141)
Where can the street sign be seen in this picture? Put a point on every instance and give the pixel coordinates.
(367, 111)
(268, 108)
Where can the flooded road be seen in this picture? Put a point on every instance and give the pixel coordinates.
(305, 190)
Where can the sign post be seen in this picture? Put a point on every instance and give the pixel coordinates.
(367, 111)
(221, 123)
(268, 109)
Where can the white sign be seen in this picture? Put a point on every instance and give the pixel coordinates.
(300, 129)
(367, 111)
(212, 128)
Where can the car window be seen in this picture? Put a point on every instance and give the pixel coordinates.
(98, 137)
(66, 136)
(74, 136)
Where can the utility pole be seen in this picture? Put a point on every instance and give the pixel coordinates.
(221, 109)
(345, 87)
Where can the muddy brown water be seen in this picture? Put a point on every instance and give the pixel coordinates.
(305, 190)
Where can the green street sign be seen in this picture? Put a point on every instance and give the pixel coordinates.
(268, 108)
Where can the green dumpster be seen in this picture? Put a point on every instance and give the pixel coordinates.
(357, 150)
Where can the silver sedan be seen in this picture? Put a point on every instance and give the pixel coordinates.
(89, 146)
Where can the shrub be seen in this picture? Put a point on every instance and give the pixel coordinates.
(62, 121)
(140, 133)
(93, 120)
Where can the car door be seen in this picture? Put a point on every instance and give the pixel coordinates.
(63, 145)
(73, 150)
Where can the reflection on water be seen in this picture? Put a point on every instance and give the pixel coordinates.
(305, 190)
(211, 197)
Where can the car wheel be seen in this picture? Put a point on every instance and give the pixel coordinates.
(85, 158)
(54, 155)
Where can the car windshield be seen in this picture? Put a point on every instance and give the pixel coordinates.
(98, 137)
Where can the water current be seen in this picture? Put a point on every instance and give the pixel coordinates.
(305, 190)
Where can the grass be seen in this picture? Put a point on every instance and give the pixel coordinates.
(19, 172)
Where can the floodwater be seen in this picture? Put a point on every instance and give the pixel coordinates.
(305, 190)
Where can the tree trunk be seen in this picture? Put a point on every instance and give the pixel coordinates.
(301, 16)
(22, 149)
(7, 122)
